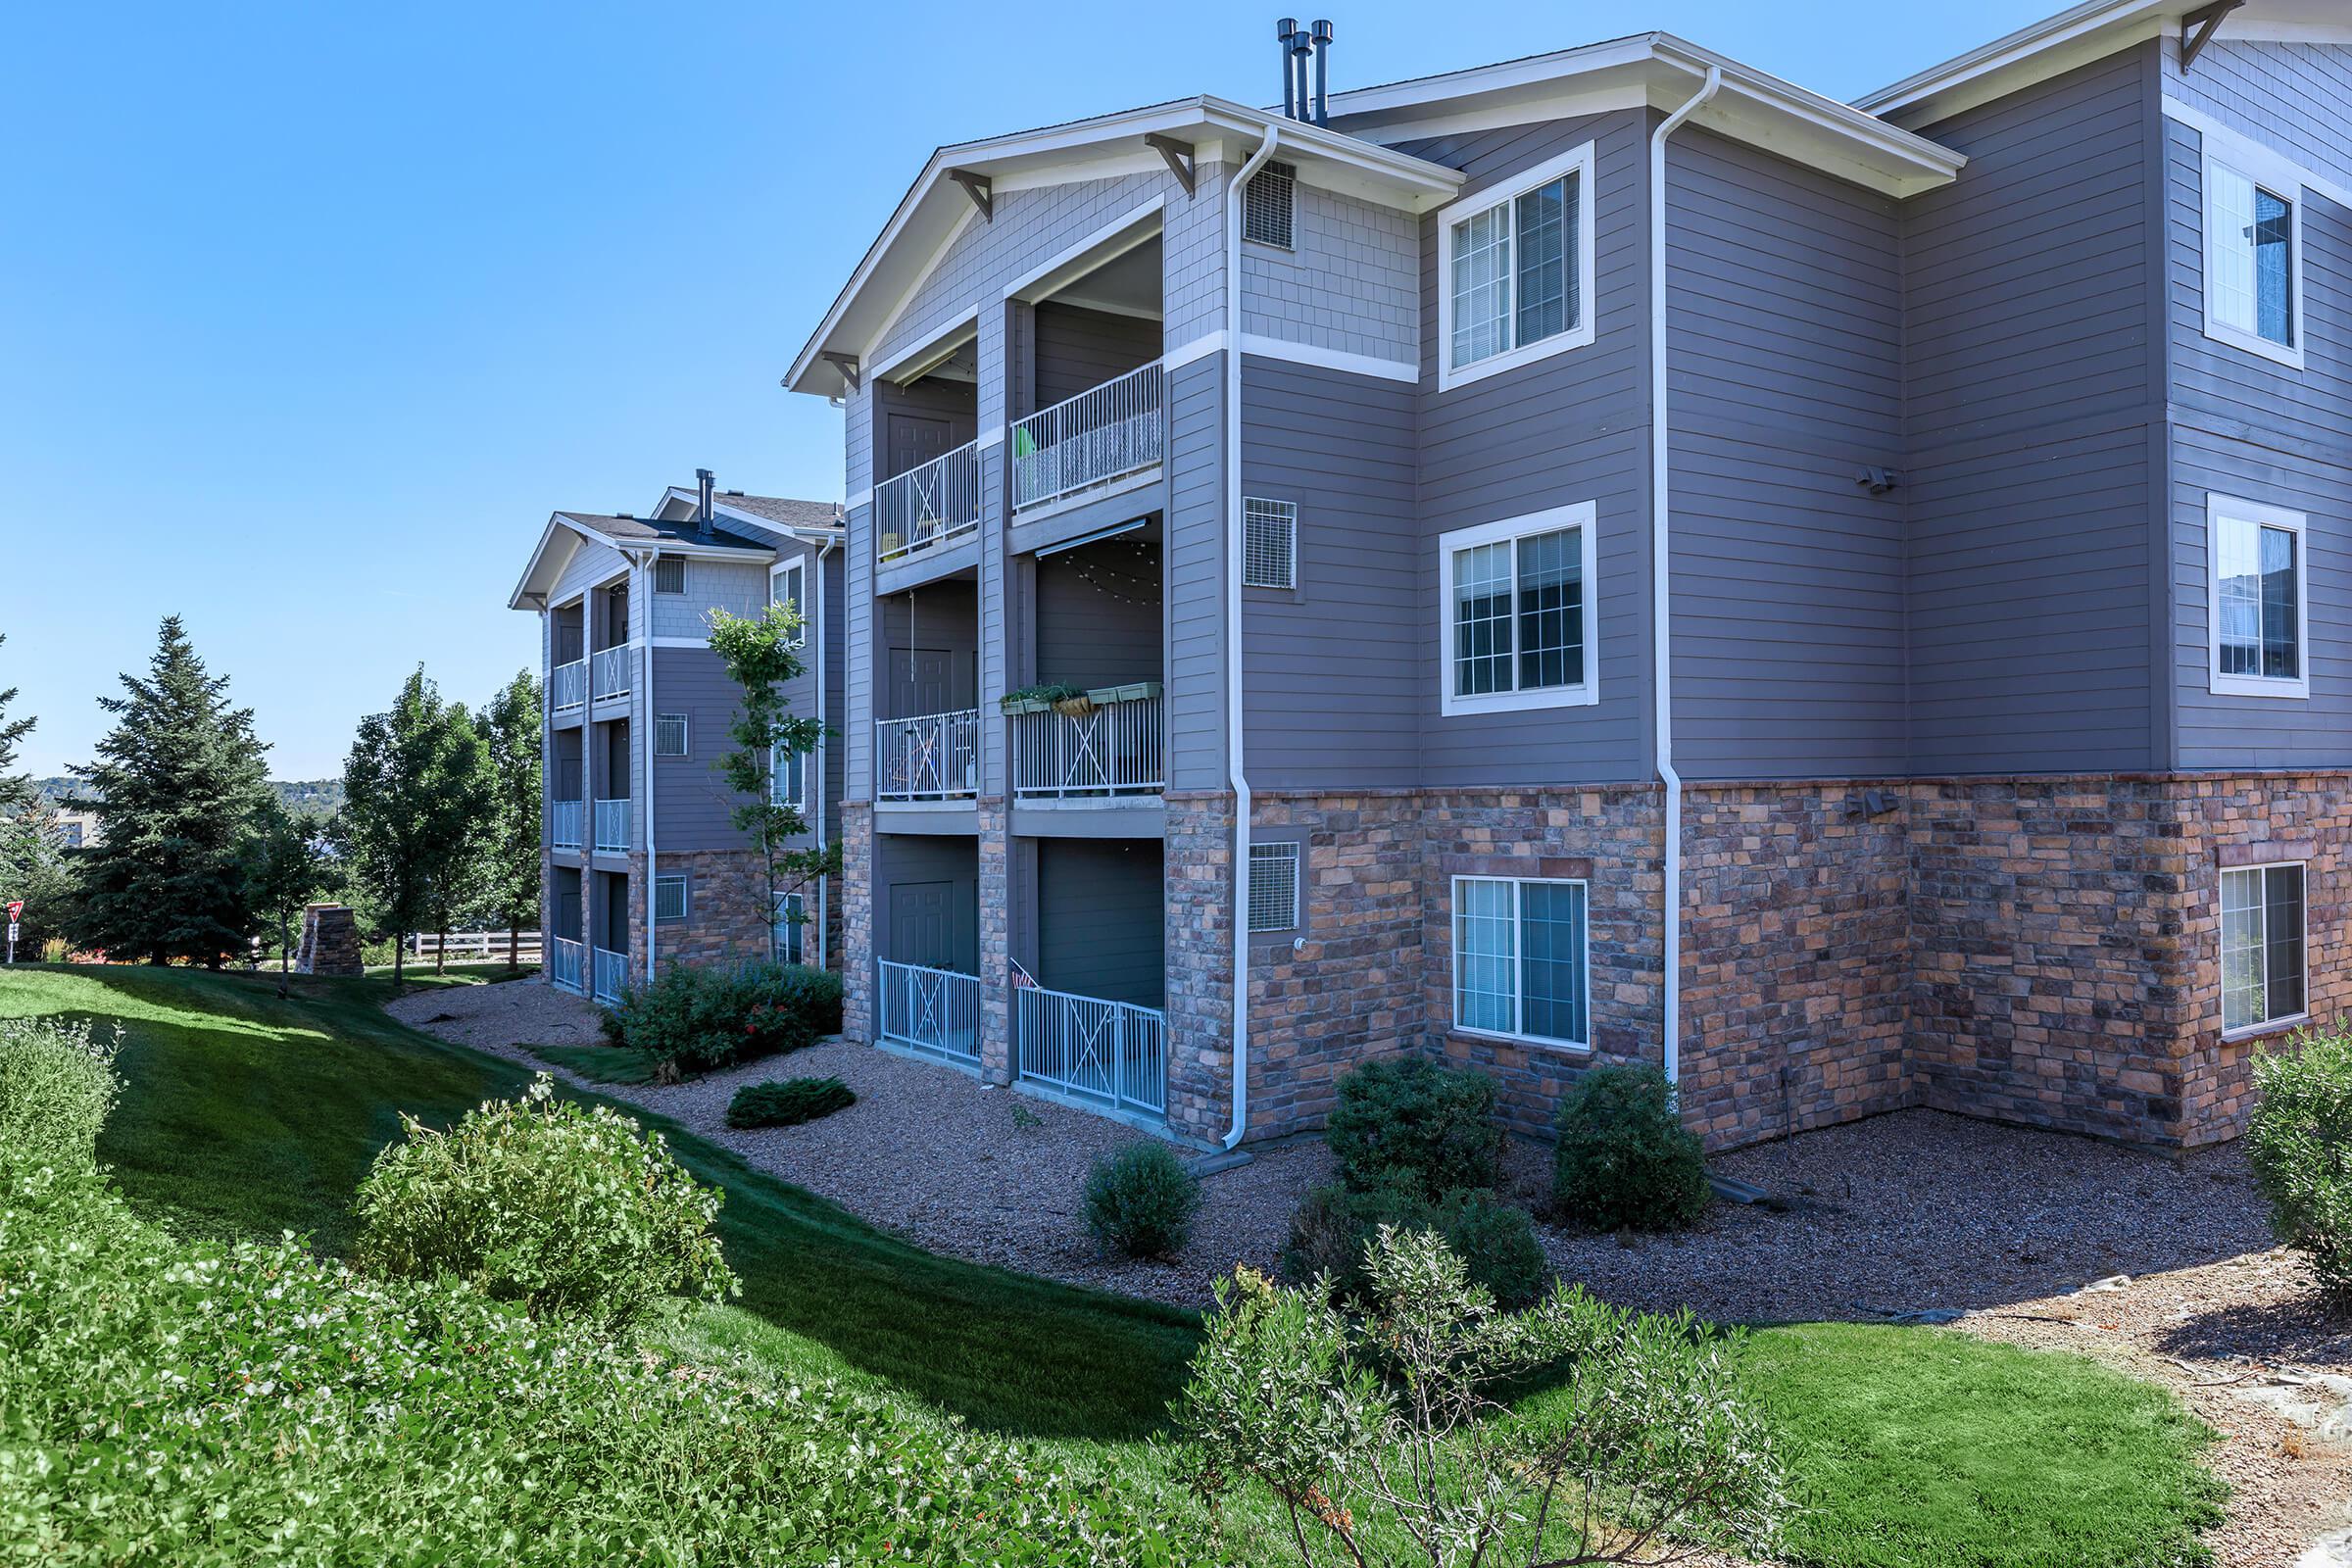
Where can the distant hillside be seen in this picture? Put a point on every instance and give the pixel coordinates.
(310, 797)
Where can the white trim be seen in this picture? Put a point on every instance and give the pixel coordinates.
(890, 322)
(807, 615)
(1505, 194)
(1198, 348)
(927, 341)
(1453, 944)
(669, 641)
(2245, 147)
(2219, 1003)
(854, 500)
(1102, 239)
(2267, 173)
(2260, 31)
(1282, 348)
(2044, 48)
(685, 730)
(993, 436)
(1582, 516)
(2219, 508)
(1569, 102)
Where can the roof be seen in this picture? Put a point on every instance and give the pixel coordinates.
(621, 528)
(781, 509)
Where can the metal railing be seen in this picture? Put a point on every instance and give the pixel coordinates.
(1102, 434)
(611, 676)
(564, 966)
(567, 685)
(1108, 1050)
(1118, 749)
(932, 758)
(928, 505)
(564, 824)
(613, 825)
(931, 1009)
(611, 976)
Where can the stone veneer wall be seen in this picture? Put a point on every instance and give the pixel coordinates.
(727, 907)
(994, 892)
(854, 892)
(1196, 877)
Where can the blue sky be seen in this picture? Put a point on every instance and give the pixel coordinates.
(311, 314)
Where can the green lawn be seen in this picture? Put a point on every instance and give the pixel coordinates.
(1911, 1446)
(604, 1065)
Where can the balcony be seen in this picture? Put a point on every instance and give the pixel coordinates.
(614, 821)
(1113, 742)
(1111, 1051)
(564, 966)
(609, 672)
(611, 976)
(567, 685)
(1104, 433)
(934, 1011)
(929, 506)
(933, 757)
(564, 824)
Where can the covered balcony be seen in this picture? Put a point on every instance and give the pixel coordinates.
(927, 919)
(567, 953)
(1092, 724)
(611, 816)
(612, 663)
(926, 452)
(608, 943)
(1089, 388)
(926, 694)
(567, 660)
(1088, 1004)
(566, 805)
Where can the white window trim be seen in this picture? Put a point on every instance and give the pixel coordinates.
(1297, 859)
(795, 574)
(1289, 511)
(2268, 1025)
(2252, 161)
(1453, 987)
(1580, 516)
(685, 899)
(2238, 510)
(685, 729)
(660, 561)
(1578, 162)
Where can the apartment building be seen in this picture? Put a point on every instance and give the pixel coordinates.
(644, 864)
(1614, 556)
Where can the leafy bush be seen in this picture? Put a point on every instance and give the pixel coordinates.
(1403, 1121)
(56, 1085)
(789, 1103)
(2300, 1143)
(694, 1018)
(1333, 1229)
(570, 1211)
(1140, 1201)
(1625, 1160)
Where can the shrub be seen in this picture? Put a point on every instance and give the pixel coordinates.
(1625, 1160)
(693, 1018)
(1403, 1121)
(56, 1085)
(2300, 1141)
(1140, 1201)
(571, 1212)
(1333, 1229)
(789, 1103)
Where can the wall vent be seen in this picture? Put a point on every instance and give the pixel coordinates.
(1269, 543)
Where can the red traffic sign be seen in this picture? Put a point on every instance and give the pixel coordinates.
(16, 906)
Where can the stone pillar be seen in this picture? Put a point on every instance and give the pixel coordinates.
(1199, 935)
(330, 941)
(995, 941)
(853, 891)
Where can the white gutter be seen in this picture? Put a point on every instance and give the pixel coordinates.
(637, 586)
(1660, 563)
(816, 785)
(1233, 632)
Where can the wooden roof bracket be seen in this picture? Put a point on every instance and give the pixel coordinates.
(979, 188)
(847, 365)
(1179, 156)
(2204, 23)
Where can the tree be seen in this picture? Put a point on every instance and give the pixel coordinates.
(176, 788)
(759, 656)
(510, 855)
(415, 793)
(287, 867)
(27, 855)
(17, 793)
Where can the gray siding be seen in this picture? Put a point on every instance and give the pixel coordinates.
(2295, 97)
(1350, 281)
(941, 616)
(739, 590)
(691, 802)
(1195, 568)
(1098, 919)
(903, 859)
(1087, 637)
(1078, 348)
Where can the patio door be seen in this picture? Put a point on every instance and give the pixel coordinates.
(922, 926)
(915, 440)
(927, 678)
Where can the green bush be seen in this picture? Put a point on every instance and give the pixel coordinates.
(789, 1103)
(694, 1018)
(1334, 1228)
(1625, 1160)
(56, 1085)
(1140, 1201)
(1405, 1121)
(570, 1211)
(2300, 1143)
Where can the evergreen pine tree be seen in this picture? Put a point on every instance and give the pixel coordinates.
(415, 796)
(512, 864)
(176, 788)
(28, 855)
(17, 793)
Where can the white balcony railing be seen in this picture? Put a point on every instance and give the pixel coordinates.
(611, 976)
(928, 505)
(611, 673)
(613, 825)
(1102, 434)
(1118, 749)
(564, 967)
(929, 758)
(567, 685)
(931, 1009)
(1108, 1050)
(564, 824)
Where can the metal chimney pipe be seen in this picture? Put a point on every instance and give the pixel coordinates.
(1322, 72)
(1283, 31)
(701, 504)
(1303, 44)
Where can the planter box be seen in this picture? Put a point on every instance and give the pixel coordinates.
(1132, 692)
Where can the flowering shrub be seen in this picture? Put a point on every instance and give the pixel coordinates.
(571, 1212)
(693, 1019)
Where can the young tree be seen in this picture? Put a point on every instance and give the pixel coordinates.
(415, 794)
(286, 867)
(510, 857)
(31, 868)
(759, 656)
(17, 793)
(176, 788)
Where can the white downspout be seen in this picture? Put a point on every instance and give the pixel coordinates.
(645, 640)
(1233, 634)
(1660, 562)
(816, 785)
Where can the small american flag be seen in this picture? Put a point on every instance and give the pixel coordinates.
(1022, 979)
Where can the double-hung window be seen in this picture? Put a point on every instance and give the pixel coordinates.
(2262, 946)
(787, 777)
(2253, 250)
(1515, 269)
(1520, 967)
(2259, 599)
(791, 920)
(788, 587)
(1518, 628)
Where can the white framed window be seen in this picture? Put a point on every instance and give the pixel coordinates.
(791, 921)
(669, 574)
(2253, 249)
(1269, 543)
(1273, 887)
(1522, 961)
(1517, 629)
(670, 735)
(788, 779)
(2264, 956)
(669, 898)
(1515, 270)
(1267, 204)
(788, 585)
(2258, 599)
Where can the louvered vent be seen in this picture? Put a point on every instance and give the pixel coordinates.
(1269, 543)
(1266, 205)
(1273, 887)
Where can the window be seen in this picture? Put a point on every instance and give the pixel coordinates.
(1517, 613)
(2262, 946)
(2253, 244)
(2258, 613)
(669, 898)
(790, 923)
(789, 586)
(669, 735)
(669, 574)
(788, 779)
(1273, 887)
(1519, 966)
(1516, 272)
(1269, 543)
(1266, 203)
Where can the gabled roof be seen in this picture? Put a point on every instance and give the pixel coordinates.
(567, 531)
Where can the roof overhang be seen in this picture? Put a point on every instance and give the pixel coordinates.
(565, 533)
(936, 208)
(1656, 71)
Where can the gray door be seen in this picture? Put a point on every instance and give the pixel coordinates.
(915, 441)
(923, 930)
(925, 681)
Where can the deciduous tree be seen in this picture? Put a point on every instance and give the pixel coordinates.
(760, 655)
(509, 879)
(416, 797)
(287, 867)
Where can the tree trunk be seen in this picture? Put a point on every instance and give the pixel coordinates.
(285, 959)
(441, 951)
(514, 950)
(400, 951)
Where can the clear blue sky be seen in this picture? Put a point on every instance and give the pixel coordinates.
(311, 314)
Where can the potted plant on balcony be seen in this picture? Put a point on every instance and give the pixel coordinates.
(1134, 691)
(1042, 698)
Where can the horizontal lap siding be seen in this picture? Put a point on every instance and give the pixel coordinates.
(940, 615)
(691, 800)
(833, 568)
(1195, 575)
(1098, 919)
(1078, 349)
(1103, 632)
